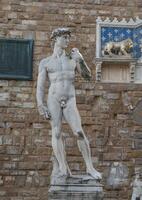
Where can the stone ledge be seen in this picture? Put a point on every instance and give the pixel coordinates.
(75, 196)
(76, 189)
(74, 192)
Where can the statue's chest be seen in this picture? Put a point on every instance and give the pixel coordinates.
(61, 64)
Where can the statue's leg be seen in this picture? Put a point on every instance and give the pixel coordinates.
(134, 196)
(72, 116)
(57, 142)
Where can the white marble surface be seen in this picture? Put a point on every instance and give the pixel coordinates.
(60, 68)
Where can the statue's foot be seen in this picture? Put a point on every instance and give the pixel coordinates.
(94, 173)
(59, 178)
(62, 174)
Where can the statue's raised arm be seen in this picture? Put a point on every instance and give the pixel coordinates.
(82, 67)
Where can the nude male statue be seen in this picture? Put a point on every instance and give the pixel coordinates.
(61, 102)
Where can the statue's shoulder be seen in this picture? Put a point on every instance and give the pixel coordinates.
(44, 63)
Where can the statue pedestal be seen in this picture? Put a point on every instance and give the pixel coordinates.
(76, 188)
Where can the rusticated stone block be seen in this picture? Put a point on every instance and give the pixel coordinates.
(7, 139)
(9, 180)
(2, 193)
(41, 36)
(137, 135)
(14, 150)
(10, 165)
(138, 144)
(6, 7)
(139, 3)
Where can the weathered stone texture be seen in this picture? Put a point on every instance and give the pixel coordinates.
(25, 138)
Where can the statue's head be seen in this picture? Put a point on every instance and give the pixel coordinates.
(128, 44)
(61, 37)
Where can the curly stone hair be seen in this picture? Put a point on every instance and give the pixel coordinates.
(60, 31)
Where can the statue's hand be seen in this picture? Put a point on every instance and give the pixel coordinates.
(76, 55)
(84, 69)
(43, 110)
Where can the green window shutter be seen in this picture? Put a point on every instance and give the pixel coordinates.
(16, 57)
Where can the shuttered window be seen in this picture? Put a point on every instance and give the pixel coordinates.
(16, 59)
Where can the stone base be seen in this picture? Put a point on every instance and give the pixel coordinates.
(76, 188)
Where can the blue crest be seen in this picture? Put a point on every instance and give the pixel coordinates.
(117, 34)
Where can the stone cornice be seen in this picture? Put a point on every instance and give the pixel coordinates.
(115, 22)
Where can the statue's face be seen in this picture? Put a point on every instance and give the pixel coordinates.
(63, 41)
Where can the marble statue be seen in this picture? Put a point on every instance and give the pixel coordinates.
(137, 188)
(60, 69)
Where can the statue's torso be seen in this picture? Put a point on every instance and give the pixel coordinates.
(61, 73)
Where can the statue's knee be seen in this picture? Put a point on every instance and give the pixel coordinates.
(80, 135)
(56, 132)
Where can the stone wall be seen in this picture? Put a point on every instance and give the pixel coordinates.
(25, 138)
